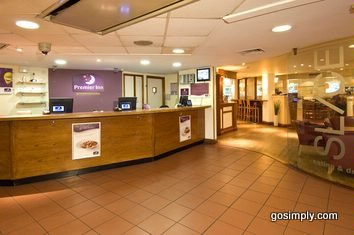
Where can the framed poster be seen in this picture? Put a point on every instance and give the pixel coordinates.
(185, 130)
(200, 89)
(6, 81)
(86, 140)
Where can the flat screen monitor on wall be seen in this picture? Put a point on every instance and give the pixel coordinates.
(127, 103)
(203, 74)
(61, 105)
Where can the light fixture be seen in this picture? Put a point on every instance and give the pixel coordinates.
(177, 64)
(60, 62)
(178, 51)
(302, 65)
(276, 79)
(351, 46)
(321, 59)
(98, 60)
(145, 62)
(341, 69)
(346, 64)
(281, 28)
(18, 49)
(310, 66)
(294, 66)
(27, 24)
(243, 64)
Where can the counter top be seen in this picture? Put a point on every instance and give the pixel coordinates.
(97, 114)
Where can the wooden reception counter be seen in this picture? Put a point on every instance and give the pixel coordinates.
(39, 146)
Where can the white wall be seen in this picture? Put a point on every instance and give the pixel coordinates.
(170, 100)
(210, 118)
(9, 104)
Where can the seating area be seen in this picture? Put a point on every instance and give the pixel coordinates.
(248, 111)
(335, 146)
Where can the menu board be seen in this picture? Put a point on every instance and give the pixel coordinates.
(86, 140)
(185, 130)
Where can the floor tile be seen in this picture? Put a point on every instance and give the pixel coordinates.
(223, 198)
(255, 196)
(114, 226)
(211, 208)
(97, 217)
(31, 229)
(12, 224)
(139, 196)
(106, 198)
(155, 203)
(223, 228)
(236, 218)
(136, 231)
(156, 224)
(179, 229)
(189, 200)
(259, 226)
(280, 203)
(334, 229)
(136, 214)
(83, 208)
(74, 227)
(175, 211)
(247, 206)
(197, 221)
(121, 205)
(56, 220)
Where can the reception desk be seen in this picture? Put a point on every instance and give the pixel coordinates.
(41, 145)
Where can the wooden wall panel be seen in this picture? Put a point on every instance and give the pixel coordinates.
(166, 126)
(5, 154)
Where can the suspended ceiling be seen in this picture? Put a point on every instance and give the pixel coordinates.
(198, 28)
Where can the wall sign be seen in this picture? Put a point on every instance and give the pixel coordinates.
(87, 83)
(200, 89)
(6, 81)
(86, 140)
(185, 130)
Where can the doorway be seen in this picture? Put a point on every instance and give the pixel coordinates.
(155, 91)
(133, 86)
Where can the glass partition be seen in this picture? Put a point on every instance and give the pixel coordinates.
(242, 88)
(251, 94)
(320, 89)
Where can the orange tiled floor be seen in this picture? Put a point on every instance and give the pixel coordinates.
(208, 189)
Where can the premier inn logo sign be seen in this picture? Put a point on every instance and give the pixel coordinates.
(87, 83)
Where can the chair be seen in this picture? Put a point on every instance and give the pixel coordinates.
(252, 112)
(306, 134)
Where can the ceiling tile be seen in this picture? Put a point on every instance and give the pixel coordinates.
(15, 40)
(54, 39)
(191, 27)
(129, 40)
(24, 7)
(151, 27)
(144, 50)
(96, 40)
(108, 50)
(184, 41)
(70, 50)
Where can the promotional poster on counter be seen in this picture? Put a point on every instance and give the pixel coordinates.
(185, 130)
(86, 140)
(6, 81)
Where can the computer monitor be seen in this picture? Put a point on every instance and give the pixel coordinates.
(127, 103)
(183, 100)
(61, 105)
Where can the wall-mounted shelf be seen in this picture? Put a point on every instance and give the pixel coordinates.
(31, 83)
(31, 93)
(24, 103)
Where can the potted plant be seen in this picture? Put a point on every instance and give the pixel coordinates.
(276, 112)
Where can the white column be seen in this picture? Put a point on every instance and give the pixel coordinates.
(268, 91)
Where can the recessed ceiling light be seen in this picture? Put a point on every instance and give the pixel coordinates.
(98, 60)
(322, 60)
(346, 64)
(27, 24)
(145, 62)
(60, 62)
(302, 65)
(310, 66)
(177, 64)
(281, 28)
(19, 49)
(243, 64)
(178, 51)
(294, 66)
(351, 46)
(341, 69)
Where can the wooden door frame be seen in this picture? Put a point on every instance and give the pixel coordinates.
(134, 81)
(163, 87)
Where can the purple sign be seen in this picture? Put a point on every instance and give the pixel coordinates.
(184, 91)
(5, 77)
(87, 83)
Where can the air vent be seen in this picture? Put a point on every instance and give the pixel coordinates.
(103, 17)
(3, 45)
(253, 51)
(143, 43)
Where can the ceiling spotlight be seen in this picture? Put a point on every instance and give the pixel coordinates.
(322, 60)
(310, 66)
(341, 69)
(177, 64)
(302, 65)
(243, 64)
(346, 64)
(19, 49)
(351, 46)
(98, 60)
(178, 51)
(27, 24)
(281, 28)
(60, 62)
(145, 62)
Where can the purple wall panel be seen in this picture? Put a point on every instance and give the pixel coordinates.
(61, 81)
